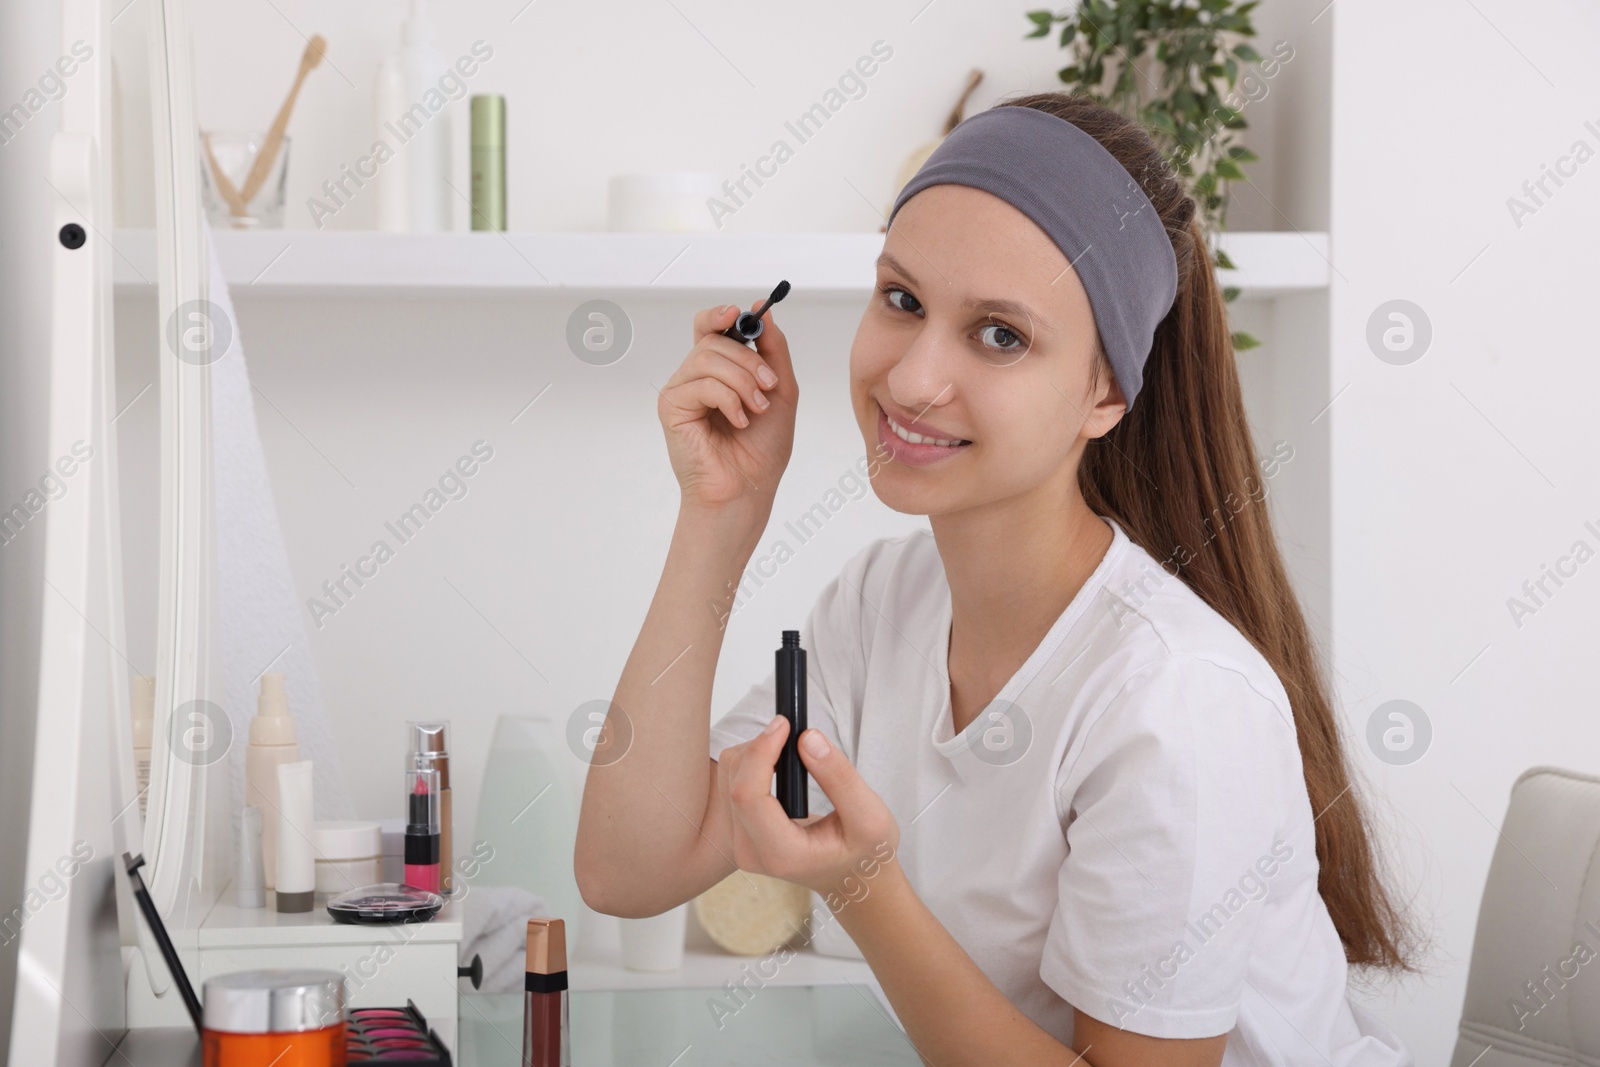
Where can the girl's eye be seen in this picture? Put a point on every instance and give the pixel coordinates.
(910, 303)
(1002, 338)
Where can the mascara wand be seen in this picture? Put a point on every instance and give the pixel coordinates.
(748, 326)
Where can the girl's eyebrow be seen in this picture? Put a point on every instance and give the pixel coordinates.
(887, 260)
(993, 306)
(1014, 310)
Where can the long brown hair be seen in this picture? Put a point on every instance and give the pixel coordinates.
(1179, 474)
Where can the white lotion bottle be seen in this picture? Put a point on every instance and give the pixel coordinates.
(416, 183)
(272, 742)
(142, 701)
(297, 863)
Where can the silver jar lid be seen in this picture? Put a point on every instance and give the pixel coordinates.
(273, 1002)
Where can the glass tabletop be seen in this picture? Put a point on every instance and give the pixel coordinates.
(802, 1026)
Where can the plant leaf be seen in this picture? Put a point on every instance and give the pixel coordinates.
(1195, 59)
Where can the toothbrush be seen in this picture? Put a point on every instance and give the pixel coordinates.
(309, 61)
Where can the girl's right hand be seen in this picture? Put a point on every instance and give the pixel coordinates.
(728, 413)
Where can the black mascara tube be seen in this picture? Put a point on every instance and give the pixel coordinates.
(791, 686)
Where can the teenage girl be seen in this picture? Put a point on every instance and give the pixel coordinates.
(1079, 793)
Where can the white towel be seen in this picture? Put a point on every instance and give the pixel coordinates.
(260, 619)
(495, 926)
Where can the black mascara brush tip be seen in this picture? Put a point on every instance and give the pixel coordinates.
(748, 326)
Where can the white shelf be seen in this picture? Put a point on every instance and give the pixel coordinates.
(301, 264)
(309, 264)
(1276, 264)
(228, 925)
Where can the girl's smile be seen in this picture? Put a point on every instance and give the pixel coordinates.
(914, 443)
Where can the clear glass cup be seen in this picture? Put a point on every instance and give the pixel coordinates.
(226, 162)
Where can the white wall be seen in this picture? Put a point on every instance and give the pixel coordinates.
(1456, 477)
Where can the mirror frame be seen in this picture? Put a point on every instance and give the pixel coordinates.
(71, 994)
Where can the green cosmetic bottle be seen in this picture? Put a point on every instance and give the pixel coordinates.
(489, 162)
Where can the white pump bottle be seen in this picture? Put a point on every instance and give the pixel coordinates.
(412, 116)
(272, 741)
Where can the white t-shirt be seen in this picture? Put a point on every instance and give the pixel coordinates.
(1125, 828)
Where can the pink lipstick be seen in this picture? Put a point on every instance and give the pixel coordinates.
(422, 828)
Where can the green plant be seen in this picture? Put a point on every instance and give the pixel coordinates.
(1169, 64)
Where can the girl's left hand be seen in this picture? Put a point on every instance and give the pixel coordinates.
(828, 854)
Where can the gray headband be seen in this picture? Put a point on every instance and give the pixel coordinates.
(1086, 202)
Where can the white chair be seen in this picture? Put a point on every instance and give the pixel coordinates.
(1533, 990)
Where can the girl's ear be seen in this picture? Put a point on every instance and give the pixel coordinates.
(1109, 405)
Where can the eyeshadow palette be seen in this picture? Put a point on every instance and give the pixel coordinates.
(393, 1035)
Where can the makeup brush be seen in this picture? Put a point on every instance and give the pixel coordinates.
(309, 59)
(748, 326)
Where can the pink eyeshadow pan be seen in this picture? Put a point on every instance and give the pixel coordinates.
(387, 1035)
